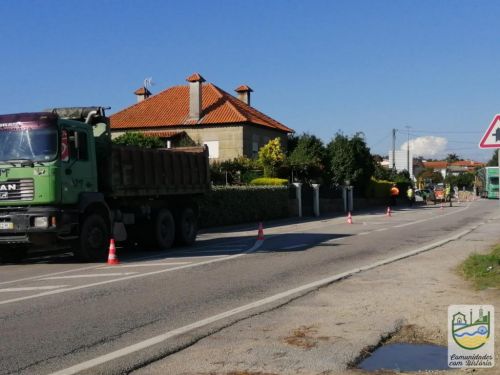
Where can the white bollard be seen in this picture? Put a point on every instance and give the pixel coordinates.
(298, 195)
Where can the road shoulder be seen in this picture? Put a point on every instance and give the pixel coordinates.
(328, 329)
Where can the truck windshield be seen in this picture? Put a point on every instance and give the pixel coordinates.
(36, 144)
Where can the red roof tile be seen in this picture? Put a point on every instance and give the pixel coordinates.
(443, 164)
(171, 108)
(435, 164)
(468, 163)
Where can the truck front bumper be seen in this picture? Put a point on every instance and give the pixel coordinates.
(36, 225)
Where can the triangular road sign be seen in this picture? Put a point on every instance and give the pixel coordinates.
(491, 139)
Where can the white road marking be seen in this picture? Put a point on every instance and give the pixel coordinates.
(432, 218)
(255, 247)
(363, 233)
(217, 251)
(336, 239)
(28, 288)
(88, 276)
(143, 265)
(219, 258)
(232, 245)
(201, 323)
(198, 257)
(49, 274)
(294, 246)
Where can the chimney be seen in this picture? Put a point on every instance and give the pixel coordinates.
(195, 100)
(244, 93)
(142, 93)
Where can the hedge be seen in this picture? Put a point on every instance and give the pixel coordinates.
(226, 205)
(269, 181)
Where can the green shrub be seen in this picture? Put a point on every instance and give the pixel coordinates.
(226, 205)
(248, 176)
(269, 181)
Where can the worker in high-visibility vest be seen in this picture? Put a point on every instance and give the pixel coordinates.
(411, 195)
(447, 193)
(394, 194)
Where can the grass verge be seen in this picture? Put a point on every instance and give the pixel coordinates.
(483, 270)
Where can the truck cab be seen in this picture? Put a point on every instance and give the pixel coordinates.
(62, 182)
(47, 168)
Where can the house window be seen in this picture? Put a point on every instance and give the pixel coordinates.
(213, 149)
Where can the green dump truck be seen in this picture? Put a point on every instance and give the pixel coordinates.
(63, 182)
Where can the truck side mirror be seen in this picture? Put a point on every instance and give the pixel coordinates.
(64, 146)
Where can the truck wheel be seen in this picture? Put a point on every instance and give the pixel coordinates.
(164, 229)
(187, 227)
(94, 238)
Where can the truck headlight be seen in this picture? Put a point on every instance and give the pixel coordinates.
(41, 222)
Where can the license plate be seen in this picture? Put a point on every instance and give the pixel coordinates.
(6, 225)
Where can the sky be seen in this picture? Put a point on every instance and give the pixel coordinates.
(428, 68)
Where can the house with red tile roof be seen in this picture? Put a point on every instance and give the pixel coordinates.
(228, 125)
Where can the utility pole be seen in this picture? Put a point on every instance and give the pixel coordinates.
(394, 150)
(408, 151)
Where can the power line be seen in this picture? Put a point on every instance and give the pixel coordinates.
(446, 132)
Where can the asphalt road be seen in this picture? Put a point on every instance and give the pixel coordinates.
(56, 314)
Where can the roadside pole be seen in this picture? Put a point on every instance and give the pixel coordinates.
(491, 139)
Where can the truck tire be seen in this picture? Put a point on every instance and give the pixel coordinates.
(94, 238)
(187, 227)
(164, 229)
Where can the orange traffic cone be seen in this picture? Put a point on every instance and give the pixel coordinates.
(349, 218)
(112, 258)
(388, 211)
(260, 235)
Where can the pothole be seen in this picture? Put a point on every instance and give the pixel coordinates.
(407, 357)
(409, 348)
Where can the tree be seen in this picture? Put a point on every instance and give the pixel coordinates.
(381, 172)
(349, 160)
(232, 171)
(271, 157)
(493, 162)
(428, 176)
(401, 177)
(307, 158)
(451, 158)
(139, 139)
(461, 180)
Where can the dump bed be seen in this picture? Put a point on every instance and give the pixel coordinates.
(141, 172)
